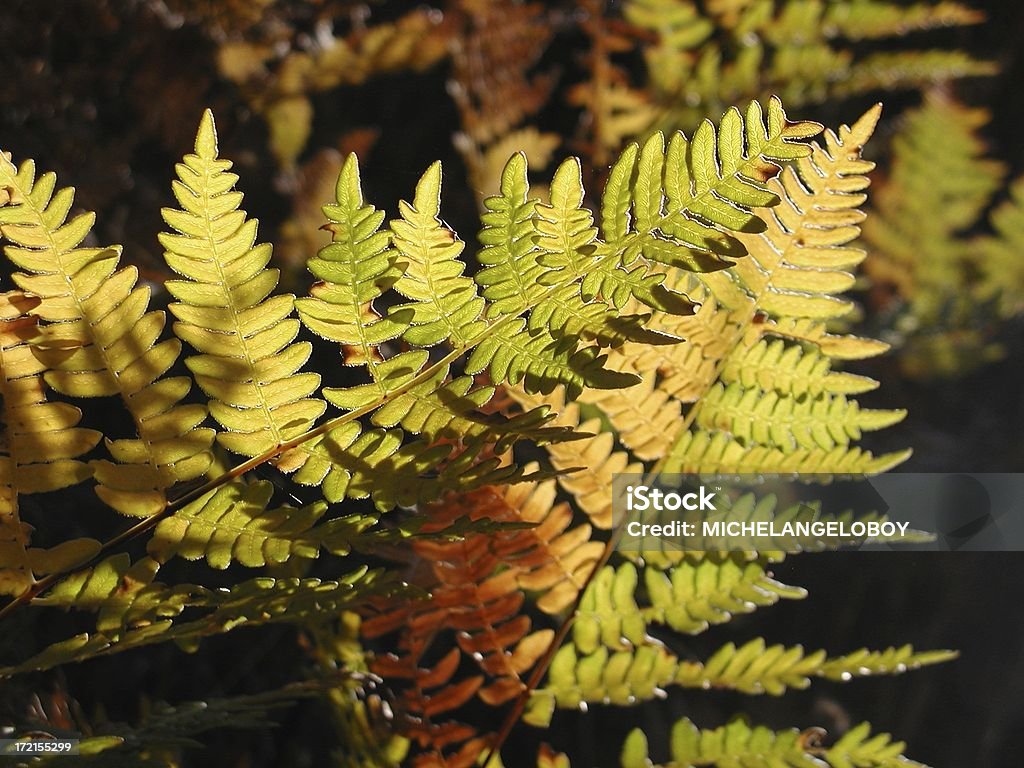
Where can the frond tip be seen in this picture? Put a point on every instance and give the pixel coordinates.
(247, 364)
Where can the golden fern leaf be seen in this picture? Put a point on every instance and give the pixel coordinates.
(247, 362)
(40, 443)
(787, 287)
(100, 341)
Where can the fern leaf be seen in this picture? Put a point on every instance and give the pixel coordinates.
(788, 286)
(356, 268)
(806, 51)
(758, 668)
(689, 597)
(741, 744)
(148, 612)
(247, 362)
(100, 340)
(232, 524)
(40, 446)
(997, 257)
(445, 303)
(958, 176)
(477, 588)
(642, 672)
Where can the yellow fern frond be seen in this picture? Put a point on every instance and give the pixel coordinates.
(789, 286)
(101, 340)
(247, 362)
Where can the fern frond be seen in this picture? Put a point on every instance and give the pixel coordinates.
(893, 71)
(146, 612)
(758, 668)
(790, 370)
(804, 50)
(621, 678)
(688, 598)
(100, 340)
(788, 287)
(642, 672)
(741, 744)
(356, 268)
(958, 179)
(232, 524)
(40, 446)
(445, 303)
(477, 589)
(247, 364)
(997, 257)
(940, 325)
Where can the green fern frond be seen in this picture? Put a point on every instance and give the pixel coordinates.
(233, 524)
(445, 303)
(756, 668)
(997, 257)
(356, 268)
(40, 446)
(247, 364)
(100, 340)
(145, 613)
(741, 744)
(642, 672)
(688, 598)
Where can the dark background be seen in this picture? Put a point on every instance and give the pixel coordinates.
(109, 97)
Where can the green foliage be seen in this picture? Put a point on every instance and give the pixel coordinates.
(247, 364)
(741, 744)
(734, 240)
